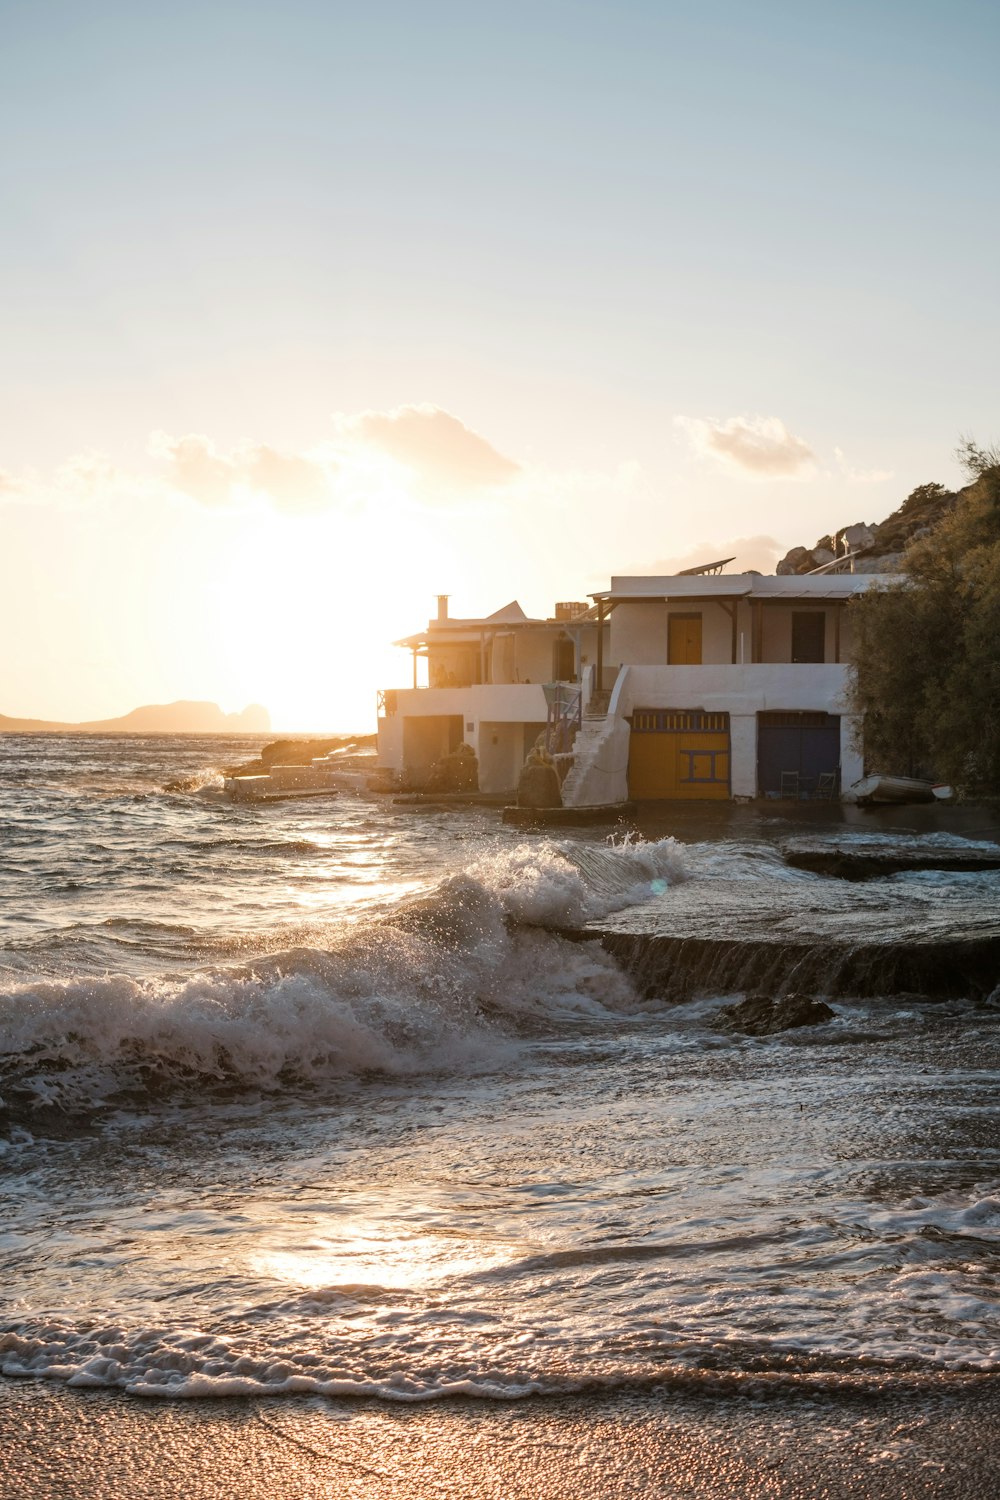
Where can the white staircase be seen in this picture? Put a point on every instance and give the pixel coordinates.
(600, 766)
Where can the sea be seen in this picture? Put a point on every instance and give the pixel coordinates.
(321, 1097)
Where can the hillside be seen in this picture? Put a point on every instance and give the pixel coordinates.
(881, 546)
(155, 718)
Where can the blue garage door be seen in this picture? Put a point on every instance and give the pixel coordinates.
(806, 744)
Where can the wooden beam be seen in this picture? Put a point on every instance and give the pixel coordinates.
(729, 605)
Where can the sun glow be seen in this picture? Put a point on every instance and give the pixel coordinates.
(327, 595)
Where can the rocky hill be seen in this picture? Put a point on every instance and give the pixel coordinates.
(880, 547)
(155, 718)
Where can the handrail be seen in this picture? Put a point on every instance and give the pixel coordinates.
(564, 710)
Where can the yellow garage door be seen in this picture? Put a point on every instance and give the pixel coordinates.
(678, 753)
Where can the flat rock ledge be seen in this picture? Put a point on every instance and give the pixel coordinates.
(870, 864)
(767, 937)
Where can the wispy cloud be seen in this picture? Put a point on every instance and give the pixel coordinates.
(193, 465)
(756, 447)
(9, 485)
(429, 440)
(88, 474)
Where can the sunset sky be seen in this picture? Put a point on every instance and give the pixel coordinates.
(311, 311)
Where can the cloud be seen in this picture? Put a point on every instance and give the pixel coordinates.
(760, 553)
(758, 447)
(291, 480)
(196, 467)
(431, 441)
(88, 474)
(8, 484)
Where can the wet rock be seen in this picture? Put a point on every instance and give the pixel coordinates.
(538, 785)
(860, 863)
(759, 1015)
(457, 772)
(297, 752)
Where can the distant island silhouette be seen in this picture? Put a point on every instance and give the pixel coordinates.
(155, 718)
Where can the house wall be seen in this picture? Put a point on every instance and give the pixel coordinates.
(511, 711)
(639, 632)
(502, 750)
(390, 741)
(533, 656)
(513, 656)
(731, 689)
(425, 741)
(847, 634)
(742, 692)
(454, 665)
(777, 631)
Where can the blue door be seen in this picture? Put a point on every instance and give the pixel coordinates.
(805, 744)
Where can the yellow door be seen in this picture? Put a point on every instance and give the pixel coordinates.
(703, 765)
(678, 754)
(684, 641)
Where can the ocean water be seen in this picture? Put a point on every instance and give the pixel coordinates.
(316, 1097)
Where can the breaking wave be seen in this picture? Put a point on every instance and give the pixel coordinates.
(446, 981)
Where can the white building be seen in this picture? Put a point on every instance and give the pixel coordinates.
(692, 686)
(486, 686)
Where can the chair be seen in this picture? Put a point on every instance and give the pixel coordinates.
(790, 784)
(826, 786)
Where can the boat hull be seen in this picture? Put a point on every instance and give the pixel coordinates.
(889, 790)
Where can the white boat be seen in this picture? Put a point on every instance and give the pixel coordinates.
(890, 789)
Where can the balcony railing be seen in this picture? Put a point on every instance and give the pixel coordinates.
(564, 705)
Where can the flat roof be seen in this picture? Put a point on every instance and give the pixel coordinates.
(730, 586)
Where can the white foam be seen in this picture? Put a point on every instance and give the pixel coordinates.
(425, 989)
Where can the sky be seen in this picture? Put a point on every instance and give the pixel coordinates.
(311, 312)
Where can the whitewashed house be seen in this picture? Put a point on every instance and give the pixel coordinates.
(486, 682)
(698, 685)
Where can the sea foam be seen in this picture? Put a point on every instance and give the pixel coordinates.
(442, 983)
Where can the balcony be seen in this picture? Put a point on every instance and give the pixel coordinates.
(749, 688)
(498, 703)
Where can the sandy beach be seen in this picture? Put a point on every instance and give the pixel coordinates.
(59, 1443)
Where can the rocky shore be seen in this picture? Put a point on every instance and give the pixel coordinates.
(301, 752)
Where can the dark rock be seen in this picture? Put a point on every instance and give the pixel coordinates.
(795, 561)
(538, 785)
(457, 772)
(298, 752)
(873, 863)
(759, 1015)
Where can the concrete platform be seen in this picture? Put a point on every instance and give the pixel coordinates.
(832, 937)
(851, 862)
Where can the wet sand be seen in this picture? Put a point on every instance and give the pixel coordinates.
(57, 1444)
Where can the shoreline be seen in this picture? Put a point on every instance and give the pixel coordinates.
(938, 1445)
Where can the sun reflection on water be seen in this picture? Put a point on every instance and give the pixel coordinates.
(368, 1255)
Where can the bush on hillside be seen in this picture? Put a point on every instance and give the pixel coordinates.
(927, 651)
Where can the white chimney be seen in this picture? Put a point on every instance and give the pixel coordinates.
(442, 600)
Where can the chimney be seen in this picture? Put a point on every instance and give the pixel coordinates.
(442, 600)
